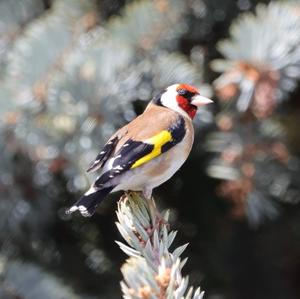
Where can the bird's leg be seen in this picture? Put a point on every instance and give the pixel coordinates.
(147, 192)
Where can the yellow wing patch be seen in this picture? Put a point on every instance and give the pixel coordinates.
(158, 141)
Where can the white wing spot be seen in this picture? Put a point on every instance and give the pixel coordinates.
(118, 167)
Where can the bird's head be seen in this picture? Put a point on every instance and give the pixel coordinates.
(182, 98)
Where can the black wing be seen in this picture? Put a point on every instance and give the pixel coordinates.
(130, 152)
(133, 151)
(104, 155)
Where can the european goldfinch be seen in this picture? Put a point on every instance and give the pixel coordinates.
(148, 151)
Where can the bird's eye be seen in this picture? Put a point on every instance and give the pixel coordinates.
(182, 92)
(185, 93)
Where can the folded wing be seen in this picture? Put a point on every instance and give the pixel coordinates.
(133, 153)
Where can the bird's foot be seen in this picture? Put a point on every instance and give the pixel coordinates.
(125, 195)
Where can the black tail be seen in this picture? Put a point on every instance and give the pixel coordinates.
(88, 203)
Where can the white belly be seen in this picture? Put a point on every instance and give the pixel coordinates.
(138, 179)
(158, 170)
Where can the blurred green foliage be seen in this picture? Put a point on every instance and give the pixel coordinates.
(71, 72)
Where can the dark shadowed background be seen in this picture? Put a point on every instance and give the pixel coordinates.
(72, 71)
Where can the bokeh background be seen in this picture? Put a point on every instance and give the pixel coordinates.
(72, 71)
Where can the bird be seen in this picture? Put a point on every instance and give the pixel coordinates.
(148, 150)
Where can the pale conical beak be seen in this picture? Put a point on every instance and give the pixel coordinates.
(200, 101)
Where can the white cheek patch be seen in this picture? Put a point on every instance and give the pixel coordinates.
(168, 99)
